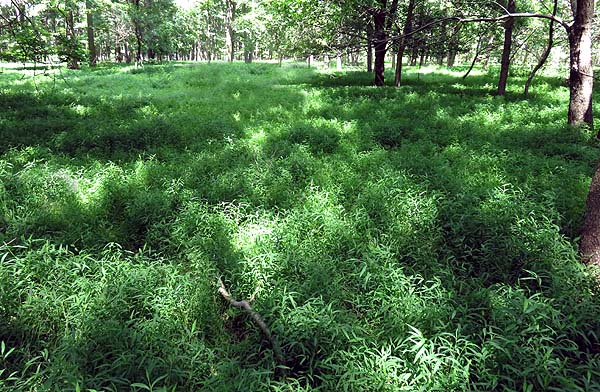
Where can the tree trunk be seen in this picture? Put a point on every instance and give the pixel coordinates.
(477, 51)
(589, 246)
(546, 53)
(580, 111)
(383, 22)
(380, 45)
(90, 33)
(338, 62)
(118, 53)
(369, 48)
(451, 58)
(581, 76)
(414, 54)
(403, 40)
(73, 63)
(229, 31)
(505, 64)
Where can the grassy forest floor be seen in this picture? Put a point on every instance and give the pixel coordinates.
(420, 238)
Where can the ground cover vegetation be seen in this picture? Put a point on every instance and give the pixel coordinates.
(398, 198)
(413, 238)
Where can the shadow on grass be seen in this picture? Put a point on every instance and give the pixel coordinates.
(358, 215)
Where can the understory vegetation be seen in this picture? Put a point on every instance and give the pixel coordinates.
(413, 238)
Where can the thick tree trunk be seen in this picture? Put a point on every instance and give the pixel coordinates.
(90, 33)
(383, 21)
(505, 64)
(589, 246)
(581, 77)
(546, 53)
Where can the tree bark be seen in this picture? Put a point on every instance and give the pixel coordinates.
(580, 112)
(581, 76)
(90, 34)
(505, 64)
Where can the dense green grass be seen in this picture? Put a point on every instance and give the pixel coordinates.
(421, 238)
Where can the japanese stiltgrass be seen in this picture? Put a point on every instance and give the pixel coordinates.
(413, 238)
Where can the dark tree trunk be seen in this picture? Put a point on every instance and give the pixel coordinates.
(589, 246)
(580, 112)
(90, 34)
(546, 53)
(118, 53)
(383, 21)
(477, 51)
(73, 63)
(380, 45)
(369, 48)
(414, 55)
(408, 25)
(505, 64)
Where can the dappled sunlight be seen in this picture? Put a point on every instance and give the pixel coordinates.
(419, 237)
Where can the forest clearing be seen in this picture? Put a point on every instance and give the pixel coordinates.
(298, 195)
(393, 239)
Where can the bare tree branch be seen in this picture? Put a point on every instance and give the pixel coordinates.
(245, 305)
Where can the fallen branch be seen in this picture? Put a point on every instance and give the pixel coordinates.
(245, 305)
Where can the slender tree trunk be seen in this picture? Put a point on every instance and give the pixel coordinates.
(580, 112)
(477, 51)
(414, 54)
(73, 63)
(118, 53)
(505, 64)
(403, 40)
(380, 45)
(90, 33)
(229, 31)
(369, 48)
(546, 53)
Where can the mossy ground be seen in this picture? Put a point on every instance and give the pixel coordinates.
(420, 238)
